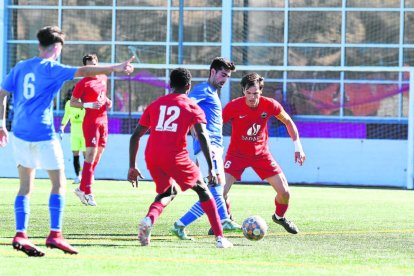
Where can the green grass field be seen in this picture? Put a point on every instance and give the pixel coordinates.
(344, 231)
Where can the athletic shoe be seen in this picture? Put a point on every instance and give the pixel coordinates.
(90, 200)
(228, 226)
(231, 226)
(81, 195)
(77, 180)
(144, 231)
(60, 243)
(23, 244)
(179, 231)
(222, 242)
(287, 224)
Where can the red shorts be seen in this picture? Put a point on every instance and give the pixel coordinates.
(165, 173)
(95, 133)
(264, 165)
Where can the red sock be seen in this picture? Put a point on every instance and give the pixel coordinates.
(94, 166)
(210, 208)
(21, 235)
(281, 209)
(86, 181)
(155, 211)
(55, 234)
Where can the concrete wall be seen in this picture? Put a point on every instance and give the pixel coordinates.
(329, 161)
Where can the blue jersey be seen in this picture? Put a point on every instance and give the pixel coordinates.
(33, 84)
(207, 98)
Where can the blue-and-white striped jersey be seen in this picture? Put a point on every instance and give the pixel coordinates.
(207, 98)
(33, 84)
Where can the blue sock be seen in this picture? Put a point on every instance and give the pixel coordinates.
(194, 213)
(22, 212)
(217, 192)
(56, 205)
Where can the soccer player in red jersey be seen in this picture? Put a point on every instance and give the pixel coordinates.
(90, 93)
(249, 143)
(170, 118)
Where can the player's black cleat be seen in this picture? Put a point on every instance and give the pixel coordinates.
(24, 245)
(287, 224)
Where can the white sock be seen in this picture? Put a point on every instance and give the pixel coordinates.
(278, 216)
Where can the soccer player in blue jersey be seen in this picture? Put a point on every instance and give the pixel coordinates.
(34, 83)
(206, 96)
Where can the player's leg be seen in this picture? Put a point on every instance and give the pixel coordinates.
(75, 145)
(229, 182)
(217, 191)
(56, 208)
(51, 159)
(280, 185)
(91, 134)
(21, 241)
(160, 202)
(23, 154)
(84, 191)
(209, 206)
(103, 138)
(76, 166)
(166, 192)
(268, 169)
(97, 158)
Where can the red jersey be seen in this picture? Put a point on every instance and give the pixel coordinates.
(170, 118)
(249, 136)
(92, 89)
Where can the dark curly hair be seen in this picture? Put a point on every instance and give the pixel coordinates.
(179, 78)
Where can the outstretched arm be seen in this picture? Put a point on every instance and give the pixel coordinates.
(93, 70)
(133, 172)
(4, 135)
(294, 134)
(203, 138)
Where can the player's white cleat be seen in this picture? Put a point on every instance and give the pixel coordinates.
(144, 231)
(222, 242)
(81, 195)
(90, 200)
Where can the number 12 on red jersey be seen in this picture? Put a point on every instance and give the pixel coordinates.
(167, 124)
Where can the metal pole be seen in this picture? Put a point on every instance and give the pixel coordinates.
(180, 32)
(410, 138)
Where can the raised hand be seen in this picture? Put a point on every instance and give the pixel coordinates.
(125, 66)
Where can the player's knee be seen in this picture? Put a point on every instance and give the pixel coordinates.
(285, 195)
(167, 196)
(202, 191)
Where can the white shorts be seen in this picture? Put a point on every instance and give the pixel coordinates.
(47, 155)
(217, 157)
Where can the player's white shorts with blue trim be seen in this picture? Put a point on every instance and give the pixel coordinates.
(217, 157)
(47, 155)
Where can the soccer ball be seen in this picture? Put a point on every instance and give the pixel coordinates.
(254, 228)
